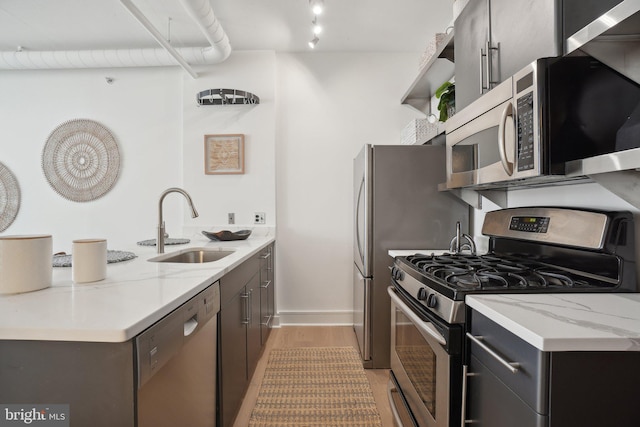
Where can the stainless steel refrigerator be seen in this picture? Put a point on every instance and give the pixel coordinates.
(397, 205)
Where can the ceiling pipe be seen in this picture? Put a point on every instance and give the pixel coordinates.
(199, 10)
(202, 13)
(128, 4)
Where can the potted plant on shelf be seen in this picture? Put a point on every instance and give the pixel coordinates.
(447, 100)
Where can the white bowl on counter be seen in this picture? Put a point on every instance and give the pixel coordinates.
(25, 263)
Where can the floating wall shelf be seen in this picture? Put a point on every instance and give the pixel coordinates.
(437, 70)
(226, 97)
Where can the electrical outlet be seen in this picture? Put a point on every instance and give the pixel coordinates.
(232, 218)
(259, 218)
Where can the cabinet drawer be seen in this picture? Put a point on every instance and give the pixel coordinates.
(495, 405)
(232, 282)
(530, 377)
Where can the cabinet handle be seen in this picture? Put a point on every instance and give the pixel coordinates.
(266, 285)
(265, 256)
(511, 366)
(465, 375)
(486, 60)
(246, 319)
(488, 65)
(250, 306)
(502, 143)
(482, 86)
(268, 321)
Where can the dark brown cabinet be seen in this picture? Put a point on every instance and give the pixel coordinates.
(509, 382)
(267, 294)
(254, 337)
(96, 379)
(246, 301)
(232, 369)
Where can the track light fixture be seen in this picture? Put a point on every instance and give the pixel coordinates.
(317, 6)
(317, 28)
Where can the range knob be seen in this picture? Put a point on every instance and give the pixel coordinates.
(432, 301)
(396, 273)
(423, 294)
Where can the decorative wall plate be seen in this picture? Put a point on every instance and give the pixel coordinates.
(9, 197)
(81, 160)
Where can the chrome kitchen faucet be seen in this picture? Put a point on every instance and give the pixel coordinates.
(161, 229)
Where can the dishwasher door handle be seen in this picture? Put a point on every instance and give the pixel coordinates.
(190, 326)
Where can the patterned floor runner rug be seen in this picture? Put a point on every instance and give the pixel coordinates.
(313, 387)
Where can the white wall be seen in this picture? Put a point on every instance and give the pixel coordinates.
(142, 109)
(243, 194)
(329, 106)
(160, 131)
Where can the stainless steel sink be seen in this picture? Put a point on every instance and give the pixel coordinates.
(193, 256)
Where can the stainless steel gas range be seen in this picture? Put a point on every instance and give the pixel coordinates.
(531, 250)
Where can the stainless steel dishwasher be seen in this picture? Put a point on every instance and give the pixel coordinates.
(176, 360)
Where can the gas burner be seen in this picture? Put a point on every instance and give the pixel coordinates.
(492, 272)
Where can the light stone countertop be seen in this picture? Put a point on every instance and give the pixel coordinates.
(135, 294)
(567, 322)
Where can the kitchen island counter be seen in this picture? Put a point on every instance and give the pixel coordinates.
(566, 322)
(135, 295)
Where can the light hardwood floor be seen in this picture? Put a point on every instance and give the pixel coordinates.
(314, 336)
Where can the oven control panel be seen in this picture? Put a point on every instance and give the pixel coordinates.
(529, 224)
(563, 226)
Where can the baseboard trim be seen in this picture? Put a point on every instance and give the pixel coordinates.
(315, 318)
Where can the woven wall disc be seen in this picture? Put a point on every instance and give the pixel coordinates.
(81, 160)
(9, 197)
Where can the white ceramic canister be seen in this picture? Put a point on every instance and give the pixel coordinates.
(26, 263)
(89, 260)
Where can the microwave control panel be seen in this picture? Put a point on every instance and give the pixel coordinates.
(525, 132)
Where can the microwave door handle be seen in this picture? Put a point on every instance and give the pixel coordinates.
(507, 112)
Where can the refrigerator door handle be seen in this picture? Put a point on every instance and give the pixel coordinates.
(367, 320)
(359, 202)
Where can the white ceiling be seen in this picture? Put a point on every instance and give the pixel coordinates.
(280, 25)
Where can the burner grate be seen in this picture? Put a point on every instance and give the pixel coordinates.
(488, 272)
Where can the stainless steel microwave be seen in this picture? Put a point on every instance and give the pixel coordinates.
(553, 111)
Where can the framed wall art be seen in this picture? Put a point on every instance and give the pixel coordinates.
(224, 154)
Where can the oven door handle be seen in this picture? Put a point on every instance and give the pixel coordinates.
(391, 388)
(422, 325)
